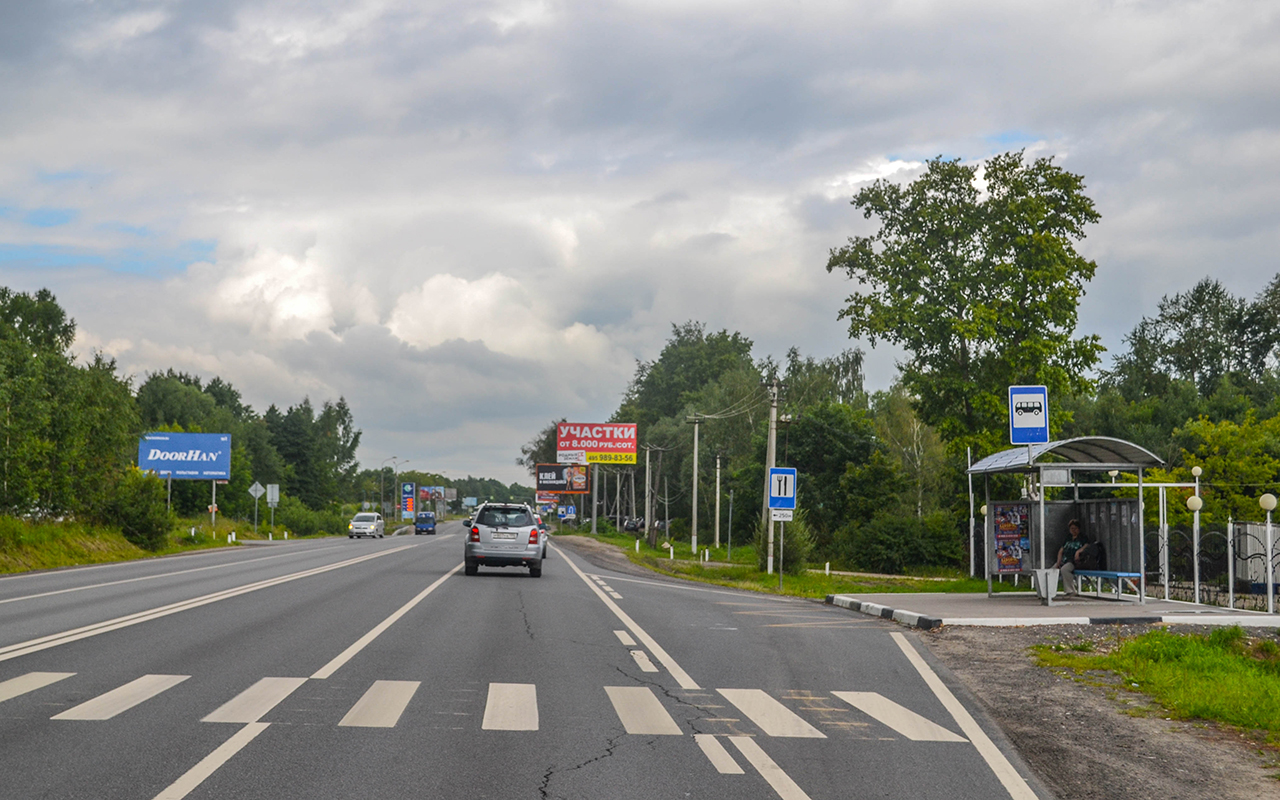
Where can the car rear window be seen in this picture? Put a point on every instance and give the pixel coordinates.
(426, 517)
(504, 517)
(366, 518)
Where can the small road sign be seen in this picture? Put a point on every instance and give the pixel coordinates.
(256, 490)
(1028, 414)
(782, 488)
(273, 494)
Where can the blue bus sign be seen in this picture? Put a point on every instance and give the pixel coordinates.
(1028, 414)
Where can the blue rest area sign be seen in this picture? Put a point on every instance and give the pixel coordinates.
(782, 488)
(186, 456)
(1028, 414)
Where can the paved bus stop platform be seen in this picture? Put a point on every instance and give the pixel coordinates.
(1013, 609)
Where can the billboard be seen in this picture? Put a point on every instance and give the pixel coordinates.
(186, 456)
(609, 443)
(430, 494)
(406, 500)
(562, 478)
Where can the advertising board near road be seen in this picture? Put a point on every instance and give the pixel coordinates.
(1012, 540)
(562, 478)
(606, 443)
(406, 500)
(545, 498)
(186, 456)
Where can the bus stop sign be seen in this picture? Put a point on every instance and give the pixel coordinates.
(1028, 414)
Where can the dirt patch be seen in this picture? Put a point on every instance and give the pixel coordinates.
(1089, 739)
(605, 556)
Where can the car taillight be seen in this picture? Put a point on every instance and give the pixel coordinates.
(533, 536)
(475, 534)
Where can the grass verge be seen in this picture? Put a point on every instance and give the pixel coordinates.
(1224, 677)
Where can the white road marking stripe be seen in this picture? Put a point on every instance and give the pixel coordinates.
(642, 660)
(1004, 771)
(903, 720)
(717, 755)
(258, 699)
(625, 638)
(641, 712)
(615, 595)
(122, 698)
(771, 772)
(76, 634)
(769, 715)
(160, 575)
(30, 682)
(210, 763)
(663, 656)
(346, 655)
(382, 705)
(511, 707)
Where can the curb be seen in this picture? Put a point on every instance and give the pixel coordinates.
(909, 618)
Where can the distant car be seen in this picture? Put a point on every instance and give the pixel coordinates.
(425, 522)
(366, 524)
(504, 535)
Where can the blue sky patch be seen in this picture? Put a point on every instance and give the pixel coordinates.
(50, 217)
(133, 260)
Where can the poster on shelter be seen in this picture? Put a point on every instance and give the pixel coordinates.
(1012, 524)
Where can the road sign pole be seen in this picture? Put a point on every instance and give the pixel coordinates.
(255, 516)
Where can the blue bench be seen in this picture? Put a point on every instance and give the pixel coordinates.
(1118, 580)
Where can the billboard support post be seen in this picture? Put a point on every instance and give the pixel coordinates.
(595, 501)
(213, 506)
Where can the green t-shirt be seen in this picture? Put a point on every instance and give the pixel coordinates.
(1072, 547)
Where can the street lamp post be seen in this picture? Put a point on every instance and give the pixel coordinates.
(382, 498)
(1195, 503)
(1268, 503)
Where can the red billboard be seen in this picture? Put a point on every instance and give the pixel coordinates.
(605, 443)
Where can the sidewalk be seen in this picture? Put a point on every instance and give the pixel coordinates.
(1014, 609)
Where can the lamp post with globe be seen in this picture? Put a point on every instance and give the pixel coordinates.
(1268, 503)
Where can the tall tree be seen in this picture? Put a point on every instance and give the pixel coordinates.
(974, 273)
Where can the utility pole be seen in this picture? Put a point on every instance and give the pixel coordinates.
(717, 501)
(617, 501)
(771, 455)
(648, 509)
(697, 421)
(595, 501)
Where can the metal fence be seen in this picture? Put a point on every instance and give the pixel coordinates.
(1231, 559)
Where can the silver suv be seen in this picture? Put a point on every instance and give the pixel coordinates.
(504, 535)
(365, 524)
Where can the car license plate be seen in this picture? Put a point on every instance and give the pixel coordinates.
(504, 534)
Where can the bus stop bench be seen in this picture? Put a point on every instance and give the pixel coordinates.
(1117, 580)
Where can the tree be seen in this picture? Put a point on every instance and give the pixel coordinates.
(980, 285)
(541, 449)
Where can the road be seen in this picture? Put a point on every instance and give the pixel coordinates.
(375, 668)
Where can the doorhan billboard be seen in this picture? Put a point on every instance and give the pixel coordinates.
(186, 456)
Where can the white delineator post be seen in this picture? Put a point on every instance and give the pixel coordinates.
(1268, 502)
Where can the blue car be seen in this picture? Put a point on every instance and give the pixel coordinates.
(425, 522)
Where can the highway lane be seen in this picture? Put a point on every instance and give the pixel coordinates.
(498, 685)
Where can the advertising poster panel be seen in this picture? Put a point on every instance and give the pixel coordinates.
(562, 478)
(607, 443)
(1012, 536)
(186, 456)
(545, 498)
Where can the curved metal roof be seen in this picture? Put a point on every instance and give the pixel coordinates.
(1097, 452)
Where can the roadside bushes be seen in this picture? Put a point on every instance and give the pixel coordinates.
(136, 505)
(797, 551)
(889, 543)
(296, 517)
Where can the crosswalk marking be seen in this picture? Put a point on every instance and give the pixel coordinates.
(903, 720)
(770, 771)
(642, 660)
(625, 638)
(382, 705)
(258, 699)
(769, 715)
(641, 712)
(29, 683)
(717, 755)
(511, 707)
(122, 698)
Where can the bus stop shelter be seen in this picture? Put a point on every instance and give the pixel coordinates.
(1023, 535)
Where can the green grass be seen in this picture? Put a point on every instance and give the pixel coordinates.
(741, 572)
(1223, 677)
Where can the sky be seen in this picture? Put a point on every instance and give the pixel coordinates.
(471, 218)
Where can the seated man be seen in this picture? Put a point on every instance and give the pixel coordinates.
(1071, 557)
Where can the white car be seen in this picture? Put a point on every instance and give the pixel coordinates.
(365, 524)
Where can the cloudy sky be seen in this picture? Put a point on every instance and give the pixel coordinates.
(471, 217)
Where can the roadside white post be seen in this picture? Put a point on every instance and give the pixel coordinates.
(717, 540)
(1231, 562)
(1164, 546)
(1268, 502)
(1195, 525)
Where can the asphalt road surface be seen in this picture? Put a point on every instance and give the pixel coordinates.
(376, 669)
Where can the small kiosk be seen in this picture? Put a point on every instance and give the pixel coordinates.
(1022, 537)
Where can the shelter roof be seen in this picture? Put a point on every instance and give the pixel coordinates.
(1094, 452)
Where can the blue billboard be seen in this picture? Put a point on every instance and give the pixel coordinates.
(186, 456)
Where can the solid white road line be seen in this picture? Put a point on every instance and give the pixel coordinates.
(642, 661)
(258, 699)
(625, 638)
(641, 712)
(771, 772)
(717, 755)
(382, 705)
(511, 707)
(679, 674)
(210, 763)
(76, 634)
(903, 720)
(122, 698)
(769, 715)
(160, 575)
(1008, 776)
(346, 655)
(29, 683)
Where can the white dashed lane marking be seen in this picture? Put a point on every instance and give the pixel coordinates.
(511, 707)
(30, 682)
(717, 755)
(625, 638)
(122, 698)
(382, 705)
(781, 782)
(903, 720)
(642, 660)
(769, 715)
(641, 712)
(257, 700)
